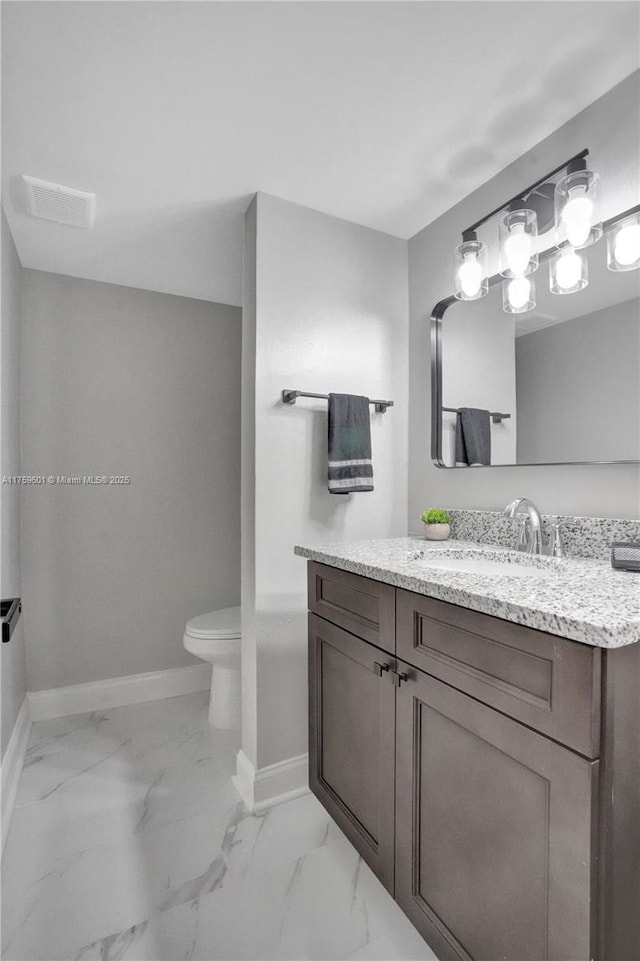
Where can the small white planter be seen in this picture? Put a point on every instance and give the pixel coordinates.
(436, 532)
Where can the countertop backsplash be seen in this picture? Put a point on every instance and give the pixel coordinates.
(583, 536)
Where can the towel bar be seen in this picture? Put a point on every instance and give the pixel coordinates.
(495, 415)
(290, 397)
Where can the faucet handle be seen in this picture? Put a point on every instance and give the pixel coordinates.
(556, 542)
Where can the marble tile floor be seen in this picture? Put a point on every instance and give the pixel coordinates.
(128, 842)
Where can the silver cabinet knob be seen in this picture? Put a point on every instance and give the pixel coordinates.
(398, 678)
(378, 668)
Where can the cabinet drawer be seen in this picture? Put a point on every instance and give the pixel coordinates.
(359, 605)
(547, 682)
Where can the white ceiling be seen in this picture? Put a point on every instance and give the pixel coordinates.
(174, 113)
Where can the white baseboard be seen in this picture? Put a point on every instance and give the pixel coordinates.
(273, 784)
(13, 762)
(118, 691)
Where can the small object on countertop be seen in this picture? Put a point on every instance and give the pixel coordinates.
(473, 437)
(556, 542)
(349, 448)
(625, 555)
(436, 524)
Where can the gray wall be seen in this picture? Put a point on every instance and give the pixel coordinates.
(578, 388)
(118, 381)
(610, 129)
(329, 310)
(12, 664)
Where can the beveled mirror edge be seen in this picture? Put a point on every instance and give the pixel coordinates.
(436, 318)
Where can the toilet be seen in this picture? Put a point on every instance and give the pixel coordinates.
(215, 637)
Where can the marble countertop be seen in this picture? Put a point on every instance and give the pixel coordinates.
(580, 598)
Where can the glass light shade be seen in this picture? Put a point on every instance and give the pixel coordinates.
(623, 244)
(568, 272)
(518, 295)
(576, 209)
(518, 231)
(471, 270)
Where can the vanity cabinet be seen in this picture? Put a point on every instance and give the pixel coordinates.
(488, 773)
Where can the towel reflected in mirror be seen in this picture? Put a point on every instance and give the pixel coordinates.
(473, 437)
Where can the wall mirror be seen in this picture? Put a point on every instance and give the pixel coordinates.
(562, 381)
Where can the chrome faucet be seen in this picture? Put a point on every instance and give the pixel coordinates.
(532, 542)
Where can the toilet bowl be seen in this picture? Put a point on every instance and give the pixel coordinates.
(215, 637)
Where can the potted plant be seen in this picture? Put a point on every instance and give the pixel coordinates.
(436, 524)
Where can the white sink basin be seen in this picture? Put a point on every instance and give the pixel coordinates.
(487, 563)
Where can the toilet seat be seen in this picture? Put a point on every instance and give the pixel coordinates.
(224, 624)
(214, 635)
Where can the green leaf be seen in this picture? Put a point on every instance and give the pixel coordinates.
(435, 516)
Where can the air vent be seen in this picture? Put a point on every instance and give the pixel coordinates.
(64, 205)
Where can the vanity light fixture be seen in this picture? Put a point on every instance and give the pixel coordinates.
(518, 230)
(518, 295)
(522, 217)
(623, 243)
(471, 268)
(575, 204)
(571, 205)
(568, 271)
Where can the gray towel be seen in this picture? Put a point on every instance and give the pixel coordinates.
(349, 451)
(473, 437)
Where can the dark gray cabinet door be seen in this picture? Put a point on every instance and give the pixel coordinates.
(351, 740)
(495, 855)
